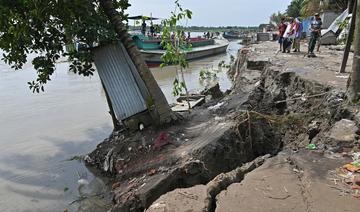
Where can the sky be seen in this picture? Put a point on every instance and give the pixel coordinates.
(213, 12)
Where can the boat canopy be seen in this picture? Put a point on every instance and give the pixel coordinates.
(141, 17)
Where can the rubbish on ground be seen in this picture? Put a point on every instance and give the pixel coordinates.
(161, 140)
(83, 182)
(184, 106)
(159, 205)
(303, 98)
(356, 156)
(66, 189)
(356, 163)
(351, 168)
(341, 76)
(311, 147)
(88, 159)
(356, 183)
(152, 172)
(348, 180)
(356, 180)
(217, 118)
(108, 161)
(355, 187)
(296, 170)
(343, 173)
(217, 106)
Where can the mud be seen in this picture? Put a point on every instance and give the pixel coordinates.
(205, 144)
(270, 109)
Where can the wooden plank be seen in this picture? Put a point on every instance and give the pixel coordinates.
(183, 106)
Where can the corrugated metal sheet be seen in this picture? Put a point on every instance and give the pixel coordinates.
(143, 89)
(336, 23)
(116, 73)
(328, 18)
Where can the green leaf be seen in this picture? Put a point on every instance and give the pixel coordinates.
(188, 14)
(66, 189)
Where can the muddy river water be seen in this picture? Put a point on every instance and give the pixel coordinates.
(39, 133)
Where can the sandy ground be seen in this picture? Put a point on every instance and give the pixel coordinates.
(323, 69)
(290, 182)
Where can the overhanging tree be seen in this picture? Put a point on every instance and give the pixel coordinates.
(45, 27)
(310, 7)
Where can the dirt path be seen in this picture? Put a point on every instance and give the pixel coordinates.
(323, 69)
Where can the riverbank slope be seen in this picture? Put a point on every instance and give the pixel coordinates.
(279, 103)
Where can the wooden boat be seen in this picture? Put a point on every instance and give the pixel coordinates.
(233, 35)
(152, 52)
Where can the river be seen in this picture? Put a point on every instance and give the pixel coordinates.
(39, 133)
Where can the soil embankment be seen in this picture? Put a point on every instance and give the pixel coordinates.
(279, 103)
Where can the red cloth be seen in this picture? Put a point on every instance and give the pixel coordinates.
(282, 29)
(161, 140)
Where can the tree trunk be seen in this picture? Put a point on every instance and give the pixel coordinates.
(354, 85)
(159, 106)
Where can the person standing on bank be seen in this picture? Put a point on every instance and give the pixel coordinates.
(315, 30)
(143, 27)
(282, 28)
(152, 29)
(289, 36)
(298, 34)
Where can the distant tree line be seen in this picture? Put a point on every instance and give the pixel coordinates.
(211, 29)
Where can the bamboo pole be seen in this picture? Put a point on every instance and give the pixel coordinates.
(350, 35)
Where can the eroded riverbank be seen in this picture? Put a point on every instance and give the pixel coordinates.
(273, 107)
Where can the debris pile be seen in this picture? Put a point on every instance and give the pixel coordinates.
(347, 177)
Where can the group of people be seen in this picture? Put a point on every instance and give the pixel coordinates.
(153, 29)
(208, 35)
(291, 32)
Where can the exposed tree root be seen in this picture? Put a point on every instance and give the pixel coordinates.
(224, 180)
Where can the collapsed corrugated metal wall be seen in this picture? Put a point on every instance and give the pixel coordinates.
(121, 80)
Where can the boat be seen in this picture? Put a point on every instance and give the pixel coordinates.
(152, 51)
(233, 35)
